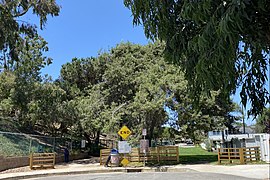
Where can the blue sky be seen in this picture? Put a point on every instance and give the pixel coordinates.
(85, 27)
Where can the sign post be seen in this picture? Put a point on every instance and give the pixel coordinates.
(123, 146)
(144, 145)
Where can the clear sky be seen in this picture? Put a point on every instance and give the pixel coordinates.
(84, 27)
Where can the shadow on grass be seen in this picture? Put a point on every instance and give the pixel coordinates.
(198, 159)
(163, 163)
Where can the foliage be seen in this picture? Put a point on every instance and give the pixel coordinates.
(19, 83)
(214, 113)
(213, 45)
(263, 122)
(50, 111)
(13, 28)
(130, 85)
(21, 58)
(168, 133)
(118, 88)
(208, 144)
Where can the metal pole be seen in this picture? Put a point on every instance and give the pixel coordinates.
(54, 144)
(144, 153)
(30, 145)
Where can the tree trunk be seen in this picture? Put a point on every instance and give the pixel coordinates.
(97, 138)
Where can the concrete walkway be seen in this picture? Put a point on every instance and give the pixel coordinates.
(258, 171)
(79, 167)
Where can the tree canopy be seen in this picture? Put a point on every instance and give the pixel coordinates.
(129, 85)
(14, 29)
(132, 85)
(220, 45)
(263, 122)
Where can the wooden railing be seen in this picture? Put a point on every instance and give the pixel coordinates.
(156, 154)
(239, 154)
(42, 160)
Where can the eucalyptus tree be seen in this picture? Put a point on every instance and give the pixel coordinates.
(13, 27)
(218, 44)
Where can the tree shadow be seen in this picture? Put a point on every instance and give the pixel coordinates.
(198, 159)
(89, 160)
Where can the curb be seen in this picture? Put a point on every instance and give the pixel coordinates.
(122, 170)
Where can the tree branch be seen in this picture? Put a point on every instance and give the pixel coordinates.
(22, 13)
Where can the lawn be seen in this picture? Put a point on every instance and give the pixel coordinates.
(196, 155)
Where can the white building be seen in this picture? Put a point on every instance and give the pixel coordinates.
(223, 139)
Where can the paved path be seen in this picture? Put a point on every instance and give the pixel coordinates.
(82, 167)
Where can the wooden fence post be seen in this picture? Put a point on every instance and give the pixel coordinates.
(219, 161)
(139, 155)
(53, 159)
(241, 153)
(31, 161)
(229, 155)
(158, 155)
(177, 153)
(256, 153)
(100, 157)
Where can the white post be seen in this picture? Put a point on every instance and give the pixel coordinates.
(144, 151)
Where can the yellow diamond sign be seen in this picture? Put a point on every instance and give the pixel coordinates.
(124, 132)
(124, 162)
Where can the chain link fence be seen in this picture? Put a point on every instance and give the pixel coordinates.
(19, 144)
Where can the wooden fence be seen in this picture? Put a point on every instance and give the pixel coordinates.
(239, 154)
(156, 154)
(42, 160)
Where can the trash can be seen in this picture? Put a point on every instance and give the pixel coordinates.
(114, 158)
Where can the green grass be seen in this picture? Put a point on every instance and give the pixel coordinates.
(19, 145)
(196, 155)
(13, 146)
